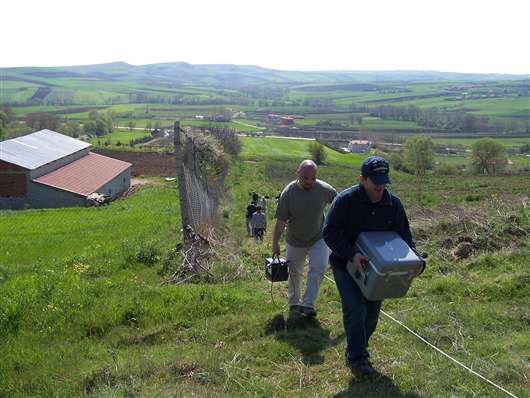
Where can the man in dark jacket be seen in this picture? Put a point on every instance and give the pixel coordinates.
(251, 209)
(368, 206)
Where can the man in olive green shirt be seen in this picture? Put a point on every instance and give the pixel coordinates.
(301, 209)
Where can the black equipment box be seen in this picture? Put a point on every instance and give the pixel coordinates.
(276, 269)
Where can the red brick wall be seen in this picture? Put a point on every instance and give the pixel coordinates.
(12, 185)
(4, 166)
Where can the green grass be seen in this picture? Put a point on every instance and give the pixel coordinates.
(256, 148)
(99, 231)
(467, 142)
(80, 314)
(369, 123)
(240, 126)
(494, 107)
(120, 135)
(461, 307)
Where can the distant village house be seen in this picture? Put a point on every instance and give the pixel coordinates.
(286, 121)
(283, 120)
(359, 146)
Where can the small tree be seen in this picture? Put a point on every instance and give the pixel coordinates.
(419, 156)
(93, 114)
(3, 123)
(489, 156)
(73, 129)
(99, 123)
(525, 149)
(108, 117)
(396, 161)
(317, 151)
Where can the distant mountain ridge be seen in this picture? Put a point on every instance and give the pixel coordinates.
(238, 75)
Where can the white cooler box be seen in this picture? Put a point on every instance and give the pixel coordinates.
(391, 265)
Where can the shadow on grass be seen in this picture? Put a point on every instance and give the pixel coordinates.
(305, 334)
(376, 386)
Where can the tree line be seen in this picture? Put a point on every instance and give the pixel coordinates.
(487, 157)
(440, 119)
(98, 123)
(141, 98)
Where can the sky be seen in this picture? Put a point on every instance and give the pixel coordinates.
(486, 36)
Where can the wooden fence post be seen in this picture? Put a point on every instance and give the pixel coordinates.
(185, 211)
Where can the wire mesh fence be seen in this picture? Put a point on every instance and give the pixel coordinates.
(201, 169)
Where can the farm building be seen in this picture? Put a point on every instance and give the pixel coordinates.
(47, 169)
(359, 146)
(286, 121)
(273, 118)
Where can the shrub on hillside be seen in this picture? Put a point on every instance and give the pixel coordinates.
(446, 169)
(205, 154)
(317, 151)
(489, 156)
(228, 139)
(419, 154)
(396, 161)
(141, 252)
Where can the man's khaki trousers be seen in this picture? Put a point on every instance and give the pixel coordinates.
(318, 255)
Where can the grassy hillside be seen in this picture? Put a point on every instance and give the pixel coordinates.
(83, 311)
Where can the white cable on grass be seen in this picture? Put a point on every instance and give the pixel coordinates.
(441, 352)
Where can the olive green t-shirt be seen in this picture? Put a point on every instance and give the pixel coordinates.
(304, 211)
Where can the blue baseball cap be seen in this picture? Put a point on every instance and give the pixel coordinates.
(377, 169)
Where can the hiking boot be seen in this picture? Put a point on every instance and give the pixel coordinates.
(361, 368)
(295, 310)
(309, 312)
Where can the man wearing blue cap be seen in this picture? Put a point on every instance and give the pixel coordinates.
(368, 206)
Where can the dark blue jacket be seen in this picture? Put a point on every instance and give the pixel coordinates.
(352, 212)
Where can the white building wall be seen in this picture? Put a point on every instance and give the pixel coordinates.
(117, 185)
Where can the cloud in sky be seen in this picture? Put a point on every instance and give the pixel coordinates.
(451, 35)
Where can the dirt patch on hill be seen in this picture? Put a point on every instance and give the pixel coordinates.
(145, 163)
(166, 141)
(458, 232)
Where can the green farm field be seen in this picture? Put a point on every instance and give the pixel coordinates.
(159, 90)
(121, 135)
(236, 125)
(370, 123)
(467, 142)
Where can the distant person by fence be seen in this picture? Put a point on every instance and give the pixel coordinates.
(251, 209)
(259, 223)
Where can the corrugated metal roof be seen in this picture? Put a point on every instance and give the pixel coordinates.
(37, 149)
(84, 176)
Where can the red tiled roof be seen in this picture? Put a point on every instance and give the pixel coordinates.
(85, 175)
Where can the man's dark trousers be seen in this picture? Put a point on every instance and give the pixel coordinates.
(360, 315)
